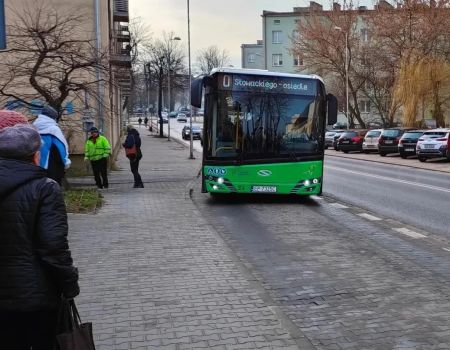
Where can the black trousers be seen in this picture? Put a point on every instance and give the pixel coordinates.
(100, 169)
(134, 166)
(28, 330)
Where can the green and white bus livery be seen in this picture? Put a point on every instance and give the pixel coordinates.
(263, 132)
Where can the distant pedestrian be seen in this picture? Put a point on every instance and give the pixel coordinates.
(97, 150)
(146, 121)
(54, 148)
(133, 139)
(140, 121)
(11, 118)
(36, 266)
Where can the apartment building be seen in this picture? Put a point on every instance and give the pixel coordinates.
(252, 55)
(105, 22)
(280, 31)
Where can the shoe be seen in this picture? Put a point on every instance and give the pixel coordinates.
(100, 186)
(106, 186)
(141, 186)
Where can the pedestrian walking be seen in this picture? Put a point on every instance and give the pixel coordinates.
(97, 150)
(54, 148)
(132, 147)
(146, 121)
(36, 267)
(140, 121)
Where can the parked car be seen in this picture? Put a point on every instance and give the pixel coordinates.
(173, 114)
(370, 142)
(407, 143)
(335, 139)
(182, 117)
(164, 117)
(329, 138)
(351, 140)
(389, 138)
(196, 132)
(184, 110)
(433, 144)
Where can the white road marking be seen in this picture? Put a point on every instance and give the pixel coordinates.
(369, 217)
(409, 233)
(417, 184)
(339, 205)
(447, 249)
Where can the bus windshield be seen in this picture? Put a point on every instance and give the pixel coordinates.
(251, 125)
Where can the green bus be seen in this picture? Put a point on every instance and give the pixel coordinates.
(263, 132)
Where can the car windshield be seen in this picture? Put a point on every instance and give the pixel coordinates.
(373, 133)
(434, 134)
(349, 134)
(260, 125)
(391, 133)
(330, 133)
(412, 135)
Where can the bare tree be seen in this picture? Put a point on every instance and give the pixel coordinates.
(47, 60)
(415, 39)
(322, 47)
(159, 66)
(211, 57)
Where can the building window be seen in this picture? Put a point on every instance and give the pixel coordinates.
(277, 59)
(277, 37)
(364, 35)
(296, 36)
(251, 58)
(276, 21)
(364, 106)
(298, 61)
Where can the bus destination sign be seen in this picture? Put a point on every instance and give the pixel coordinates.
(267, 84)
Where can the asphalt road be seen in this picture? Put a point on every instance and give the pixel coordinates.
(416, 197)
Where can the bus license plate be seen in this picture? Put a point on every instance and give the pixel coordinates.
(264, 189)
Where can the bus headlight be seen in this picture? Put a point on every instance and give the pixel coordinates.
(215, 187)
(306, 182)
(220, 180)
(315, 181)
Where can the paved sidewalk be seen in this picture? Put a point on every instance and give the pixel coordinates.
(155, 275)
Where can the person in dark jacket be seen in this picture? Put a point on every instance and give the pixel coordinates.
(36, 266)
(133, 139)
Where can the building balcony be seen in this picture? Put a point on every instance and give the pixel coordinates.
(122, 34)
(122, 59)
(120, 13)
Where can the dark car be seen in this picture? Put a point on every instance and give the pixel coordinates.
(389, 138)
(335, 139)
(196, 132)
(351, 140)
(329, 138)
(408, 142)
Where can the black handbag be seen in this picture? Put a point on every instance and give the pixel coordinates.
(71, 333)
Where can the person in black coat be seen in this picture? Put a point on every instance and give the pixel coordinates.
(36, 266)
(133, 139)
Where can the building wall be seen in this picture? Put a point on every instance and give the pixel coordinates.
(106, 114)
(252, 55)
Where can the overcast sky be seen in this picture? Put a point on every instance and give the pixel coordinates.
(225, 23)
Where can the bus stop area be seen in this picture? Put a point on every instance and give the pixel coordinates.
(154, 274)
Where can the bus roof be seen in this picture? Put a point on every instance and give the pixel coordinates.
(263, 72)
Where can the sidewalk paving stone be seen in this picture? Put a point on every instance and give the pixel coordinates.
(155, 275)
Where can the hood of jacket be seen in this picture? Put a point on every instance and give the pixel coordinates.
(49, 126)
(14, 173)
(133, 132)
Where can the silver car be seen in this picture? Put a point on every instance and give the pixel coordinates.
(329, 138)
(433, 144)
(370, 143)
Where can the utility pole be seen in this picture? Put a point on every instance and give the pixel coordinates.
(191, 141)
(169, 51)
(160, 87)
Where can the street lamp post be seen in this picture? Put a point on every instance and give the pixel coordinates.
(346, 75)
(168, 81)
(191, 141)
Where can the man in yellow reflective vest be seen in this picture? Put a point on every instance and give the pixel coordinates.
(97, 150)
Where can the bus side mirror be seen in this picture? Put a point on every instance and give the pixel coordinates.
(332, 106)
(196, 92)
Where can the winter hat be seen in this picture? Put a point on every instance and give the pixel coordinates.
(93, 129)
(19, 141)
(50, 112)
(11, 118)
